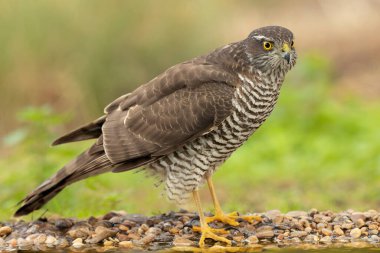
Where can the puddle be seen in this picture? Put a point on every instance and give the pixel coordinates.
(216, 250)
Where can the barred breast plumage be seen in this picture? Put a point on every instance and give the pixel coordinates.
(185, 122)
(184, 169)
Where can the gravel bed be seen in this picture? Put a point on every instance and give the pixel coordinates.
(118, 230)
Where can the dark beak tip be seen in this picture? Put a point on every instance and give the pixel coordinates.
(287, 57)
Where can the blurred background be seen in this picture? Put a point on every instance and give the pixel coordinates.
(62, 62)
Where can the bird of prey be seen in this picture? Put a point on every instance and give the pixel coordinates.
(184, 123)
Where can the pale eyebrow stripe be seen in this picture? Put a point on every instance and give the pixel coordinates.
(261, 37)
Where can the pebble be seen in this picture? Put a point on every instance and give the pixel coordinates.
(326, 239)
(311, 239)
(79, 232)
(126, 244)
(181, 241)
(2, 242)
(359, 223)
(252, 239)
(78, 243)
(39, 239)
(298, 234)
(326, 232)
(338, 231)
(50, 241)
(355, 233)
(265, 232)
(101, 233)
(374, 238)
(4, 231)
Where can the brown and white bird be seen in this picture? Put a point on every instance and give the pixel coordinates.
(184, 123)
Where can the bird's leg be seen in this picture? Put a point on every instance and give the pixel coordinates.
(229, 218)
(206, 231)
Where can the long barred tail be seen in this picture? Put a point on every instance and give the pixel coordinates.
(90, 163)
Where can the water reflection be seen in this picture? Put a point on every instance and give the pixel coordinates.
(219, 250)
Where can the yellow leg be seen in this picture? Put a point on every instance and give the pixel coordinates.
(206, 231)
(230, 218)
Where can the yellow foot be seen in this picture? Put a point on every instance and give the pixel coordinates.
(231, 218)
(207, 232)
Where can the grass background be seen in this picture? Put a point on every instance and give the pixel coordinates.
(62, 62)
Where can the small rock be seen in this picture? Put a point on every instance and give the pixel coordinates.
(338, 231)
(373, 226)
(108, 243)
(308, 229)
(101, 233)
(174, 230)
(51, 241)
(326, 239)
(238, 238)
(355, 233)
(142, 229)
(23, 243)
(264, 232)
(374, 238)
(126, 244)
(4, 231)
(321, 226)
(342, 239)
(356, 216)
(373, 232)
(311, 239)
(40, 239)
(181, 241)
(79, 232)
(359, 223)
(62, 243)
(63, 223)
(252, 239)
(2, 242)
(347, 225)
(12, 243)
(326, 232)
(117, 220)
(298, 234)
(78, 243)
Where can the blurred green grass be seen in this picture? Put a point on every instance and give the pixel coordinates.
(315, 151)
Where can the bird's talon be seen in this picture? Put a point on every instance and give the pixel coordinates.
(208, 232)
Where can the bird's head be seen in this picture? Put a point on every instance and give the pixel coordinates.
(271, 49)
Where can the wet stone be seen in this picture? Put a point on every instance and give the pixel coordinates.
(101, 233)
(355, 233)
(326, 240)
(4, 231)
(63, 223)
(78, 243)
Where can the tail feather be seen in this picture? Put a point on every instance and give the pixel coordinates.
(87, 164)
(90, 131)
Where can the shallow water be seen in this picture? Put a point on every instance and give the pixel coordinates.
(277, 250)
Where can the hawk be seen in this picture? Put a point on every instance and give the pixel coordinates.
(184, 123)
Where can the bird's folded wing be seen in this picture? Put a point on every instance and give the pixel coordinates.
(185, 102)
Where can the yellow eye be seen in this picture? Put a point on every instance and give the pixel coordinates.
(267, 45)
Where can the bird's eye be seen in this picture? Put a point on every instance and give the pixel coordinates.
(292, 43)
(267, 45)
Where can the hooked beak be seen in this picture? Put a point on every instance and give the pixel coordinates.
(286, 52)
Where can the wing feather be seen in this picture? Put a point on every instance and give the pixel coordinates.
(181, 104)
